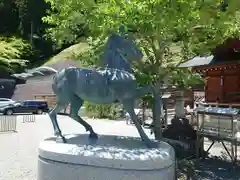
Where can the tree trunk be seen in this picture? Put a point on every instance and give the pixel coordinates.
(31, 33)
(179, 107)
(157, 113)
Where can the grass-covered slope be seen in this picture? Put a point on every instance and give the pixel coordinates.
(69, 53)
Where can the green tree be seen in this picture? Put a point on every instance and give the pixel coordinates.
(8, 17)
(168, 32)
(13, 51)
(30, 13)
(67, 21)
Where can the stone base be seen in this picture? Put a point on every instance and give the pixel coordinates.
(108, 158)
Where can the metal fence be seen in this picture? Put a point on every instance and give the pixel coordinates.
(29, 118)
(8, 123)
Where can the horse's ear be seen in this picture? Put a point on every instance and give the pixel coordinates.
(122, 30)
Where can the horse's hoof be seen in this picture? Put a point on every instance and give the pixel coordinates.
(93, 136)
(151, 144)
(61, 139)
(64, 139)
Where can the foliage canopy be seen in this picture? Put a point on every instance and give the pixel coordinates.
(168, 32)
(13, 51)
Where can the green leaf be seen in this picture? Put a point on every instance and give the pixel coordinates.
(168, 32)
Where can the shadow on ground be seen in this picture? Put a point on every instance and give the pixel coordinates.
(208, 169)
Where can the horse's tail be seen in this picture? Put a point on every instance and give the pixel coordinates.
(54, 83)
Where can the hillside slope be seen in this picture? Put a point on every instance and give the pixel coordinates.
(68, 53)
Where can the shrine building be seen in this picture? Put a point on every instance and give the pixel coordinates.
(221, 72)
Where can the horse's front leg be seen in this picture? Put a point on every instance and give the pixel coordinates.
(129, 106)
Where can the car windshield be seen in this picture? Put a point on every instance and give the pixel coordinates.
(5, 99)
(18, 102)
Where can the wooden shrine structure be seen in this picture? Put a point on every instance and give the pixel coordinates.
(222, 83)
(221, 72)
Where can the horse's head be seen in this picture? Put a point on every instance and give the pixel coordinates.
(125, 47)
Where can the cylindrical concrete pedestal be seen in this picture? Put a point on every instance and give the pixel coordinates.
(108, 158)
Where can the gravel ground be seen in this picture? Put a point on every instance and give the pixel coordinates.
(18, 152)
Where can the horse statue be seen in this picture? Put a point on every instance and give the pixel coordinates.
(104, 85)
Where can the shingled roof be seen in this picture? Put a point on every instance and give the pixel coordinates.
(40, 84)
(225, 53)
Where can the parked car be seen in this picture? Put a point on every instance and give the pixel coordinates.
(28, 106)
(5, 102)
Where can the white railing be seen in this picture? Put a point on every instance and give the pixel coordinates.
(8, 123)
(29, 118)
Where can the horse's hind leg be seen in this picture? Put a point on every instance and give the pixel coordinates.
(53, 116)
(76, 104)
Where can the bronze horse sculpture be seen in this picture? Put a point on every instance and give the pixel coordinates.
(103, 85)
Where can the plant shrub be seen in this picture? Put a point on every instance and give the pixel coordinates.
(13, 52)
(14, 48)
(103, 111)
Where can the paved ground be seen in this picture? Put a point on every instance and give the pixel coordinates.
(18, 151)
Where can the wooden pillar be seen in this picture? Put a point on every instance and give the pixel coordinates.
(222, 99)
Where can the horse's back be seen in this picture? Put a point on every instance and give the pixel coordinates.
(101, 85)
(109, 74)
(122, 83)
(116, 75)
